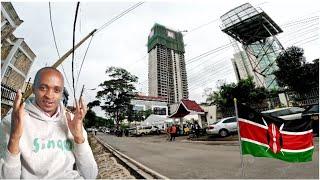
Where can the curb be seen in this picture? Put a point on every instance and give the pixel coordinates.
(143, 171)
(212, 142)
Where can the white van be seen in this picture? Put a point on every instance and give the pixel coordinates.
(143, 130)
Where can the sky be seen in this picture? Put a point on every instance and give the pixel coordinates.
(123, 43)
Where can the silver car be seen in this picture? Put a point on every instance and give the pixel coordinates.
(223, 127)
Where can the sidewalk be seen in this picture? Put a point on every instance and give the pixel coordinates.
(108, 166)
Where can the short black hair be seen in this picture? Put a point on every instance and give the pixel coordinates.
(38, 75)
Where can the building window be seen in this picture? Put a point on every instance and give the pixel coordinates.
(170, 34)
(160, 110)
(8, 72)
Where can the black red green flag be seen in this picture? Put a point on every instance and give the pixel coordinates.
(266, 136)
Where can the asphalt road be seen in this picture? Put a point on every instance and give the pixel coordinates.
(183, 159)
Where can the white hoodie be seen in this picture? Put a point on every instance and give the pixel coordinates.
(47, 149)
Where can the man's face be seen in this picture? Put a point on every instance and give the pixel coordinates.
(48, 91)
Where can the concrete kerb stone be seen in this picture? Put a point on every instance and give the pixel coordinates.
(213, 142)
(141, 169)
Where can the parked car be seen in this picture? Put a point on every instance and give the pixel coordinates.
(143, 130)
(286, 113)
(223, 127)
(92, 129)
(312, 112)
(132, 131)
(155, 130)
(105, 130)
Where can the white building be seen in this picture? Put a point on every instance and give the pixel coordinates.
(16, 56)
(158, 105)
(244, 70)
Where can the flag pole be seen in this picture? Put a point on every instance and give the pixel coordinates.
(239, 138)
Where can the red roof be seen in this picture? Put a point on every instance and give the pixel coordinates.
(185, 107)
(192, 106)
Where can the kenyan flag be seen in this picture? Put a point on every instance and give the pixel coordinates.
(266, 136)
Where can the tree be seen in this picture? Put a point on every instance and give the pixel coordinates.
(139, 115)
(117, 93)
(147, 113)
(90, 118)
(130, 113)
(93, 104)
(245, 92)
(294, 72)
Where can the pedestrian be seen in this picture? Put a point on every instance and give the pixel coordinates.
(126, 132)
(197, 128)
(173, 132)
(41, 139)
(168, 131)
(177, 131)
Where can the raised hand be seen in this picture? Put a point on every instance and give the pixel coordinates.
(76, 124)
(17, 118)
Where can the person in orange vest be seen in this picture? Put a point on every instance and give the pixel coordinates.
(173, 132)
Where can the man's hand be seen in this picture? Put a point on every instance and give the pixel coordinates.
(75, 125)
(17, 118)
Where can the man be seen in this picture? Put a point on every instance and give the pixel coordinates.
(173, 132)
(43, 140)
(197, 128)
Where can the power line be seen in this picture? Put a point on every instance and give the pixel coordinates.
(189, 61)
(99, 29)
(84, 57)
(220, 48)
(307, 41)
(119, 16)
(207, 63)
(205, 74)
(135, 62)
(198, 27)
(205, 80)
(55, 43)
(212, 21)
(296, 22)
(190, 80)
(201, 56)
(193, 76)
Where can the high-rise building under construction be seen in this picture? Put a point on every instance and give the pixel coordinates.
(167, 75)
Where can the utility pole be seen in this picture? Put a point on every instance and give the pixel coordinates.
(59, 61)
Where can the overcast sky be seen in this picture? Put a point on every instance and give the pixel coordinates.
(123, 43)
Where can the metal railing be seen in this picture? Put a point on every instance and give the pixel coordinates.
(304, 99)
(7, 93)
